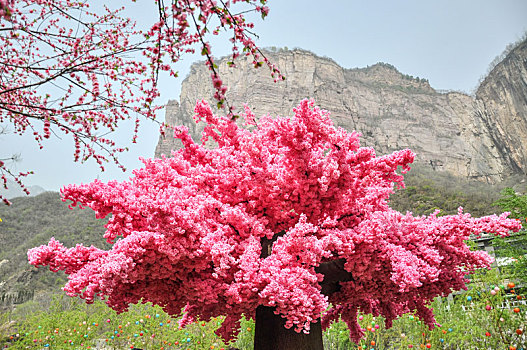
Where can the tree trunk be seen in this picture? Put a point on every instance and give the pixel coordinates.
(270, 333)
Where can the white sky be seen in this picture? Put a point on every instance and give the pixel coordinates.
(448, 42)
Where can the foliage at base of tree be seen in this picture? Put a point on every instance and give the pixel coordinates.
(513, 250)
(489, 315)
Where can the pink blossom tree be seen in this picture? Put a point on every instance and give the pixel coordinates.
(286, 222)
(68, 69)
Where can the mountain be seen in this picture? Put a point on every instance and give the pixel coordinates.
(13, 190)
(451, 133)
(30, 222)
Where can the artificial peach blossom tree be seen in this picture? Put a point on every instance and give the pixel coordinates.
(286, 222)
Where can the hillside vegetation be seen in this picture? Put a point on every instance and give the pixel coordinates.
(427, 191)
(30, 222)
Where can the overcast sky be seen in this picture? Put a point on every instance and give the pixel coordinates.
(450, 42)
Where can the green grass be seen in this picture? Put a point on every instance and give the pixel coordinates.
(60, 322)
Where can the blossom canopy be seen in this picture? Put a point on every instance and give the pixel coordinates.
(258, 220)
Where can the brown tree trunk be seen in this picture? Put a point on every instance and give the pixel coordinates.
(270, 333)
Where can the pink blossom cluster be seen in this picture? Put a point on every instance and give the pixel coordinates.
(73, 70)
(6, 8)
(192, 232)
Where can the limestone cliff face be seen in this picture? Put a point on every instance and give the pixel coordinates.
(392, 110)
(502, 105)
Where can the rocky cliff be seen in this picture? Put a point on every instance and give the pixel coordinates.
(478, 138)
(13, 190)
(502, 106)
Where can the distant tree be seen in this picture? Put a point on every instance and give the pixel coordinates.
(514, 248)
(513, 202)
(497, 60)
(287, 224)
(66, 68)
